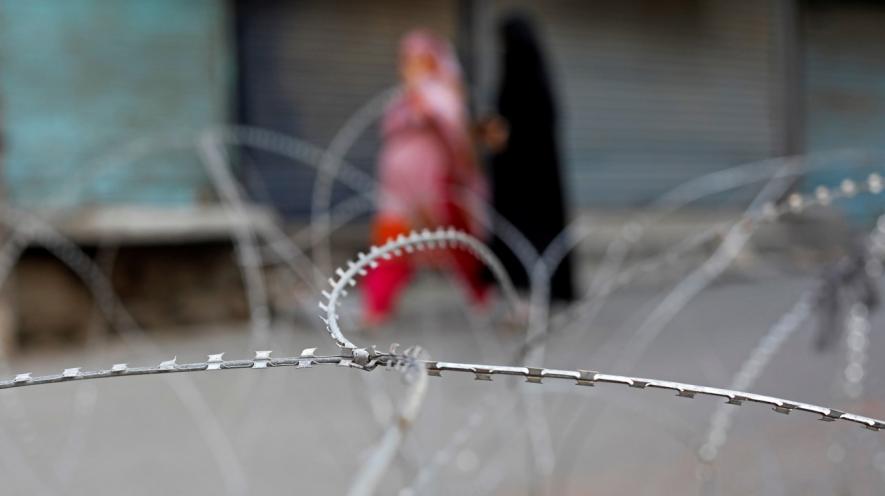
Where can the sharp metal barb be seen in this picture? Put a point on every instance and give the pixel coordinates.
(214, 362)
(398, 247)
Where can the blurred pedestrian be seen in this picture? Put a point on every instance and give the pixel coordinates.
(525, 165)
(427, 171)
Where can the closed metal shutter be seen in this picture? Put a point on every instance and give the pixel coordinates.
(306, 66)
(653, 93)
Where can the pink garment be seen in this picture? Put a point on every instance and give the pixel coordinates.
(427, 171)
(427, 158)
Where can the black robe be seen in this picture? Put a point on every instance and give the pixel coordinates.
(526, 181)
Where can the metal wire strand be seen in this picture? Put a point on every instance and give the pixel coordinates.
(535, 375)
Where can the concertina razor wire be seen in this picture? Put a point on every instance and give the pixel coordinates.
(368, 359)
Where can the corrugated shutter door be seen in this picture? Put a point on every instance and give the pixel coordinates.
(655, 93)
(306, 66)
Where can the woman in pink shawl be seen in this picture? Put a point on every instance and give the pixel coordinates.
(427, 171)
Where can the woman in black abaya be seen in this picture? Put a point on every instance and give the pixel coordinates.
(525, 170)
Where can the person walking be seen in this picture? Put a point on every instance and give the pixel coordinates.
(525, 172)
(427, 171)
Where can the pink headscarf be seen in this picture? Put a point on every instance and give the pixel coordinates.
(421, 42)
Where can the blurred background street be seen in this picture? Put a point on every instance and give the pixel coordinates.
(688, 190)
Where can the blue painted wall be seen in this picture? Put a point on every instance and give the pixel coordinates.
(81, 77)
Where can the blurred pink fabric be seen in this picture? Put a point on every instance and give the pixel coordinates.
(427, 171)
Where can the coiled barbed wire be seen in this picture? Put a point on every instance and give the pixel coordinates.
(845, 271)
(347, 355)
(750, 371)
(426, 239)
(738, 234)
(769, 211)
(41, 233)
(369, 475)
(330, 165)
(369, 359)
(213, 157)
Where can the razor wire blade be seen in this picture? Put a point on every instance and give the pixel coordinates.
(373, 359)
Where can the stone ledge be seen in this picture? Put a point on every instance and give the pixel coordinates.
(144, 225)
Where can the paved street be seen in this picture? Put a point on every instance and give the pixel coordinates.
(292, 431)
